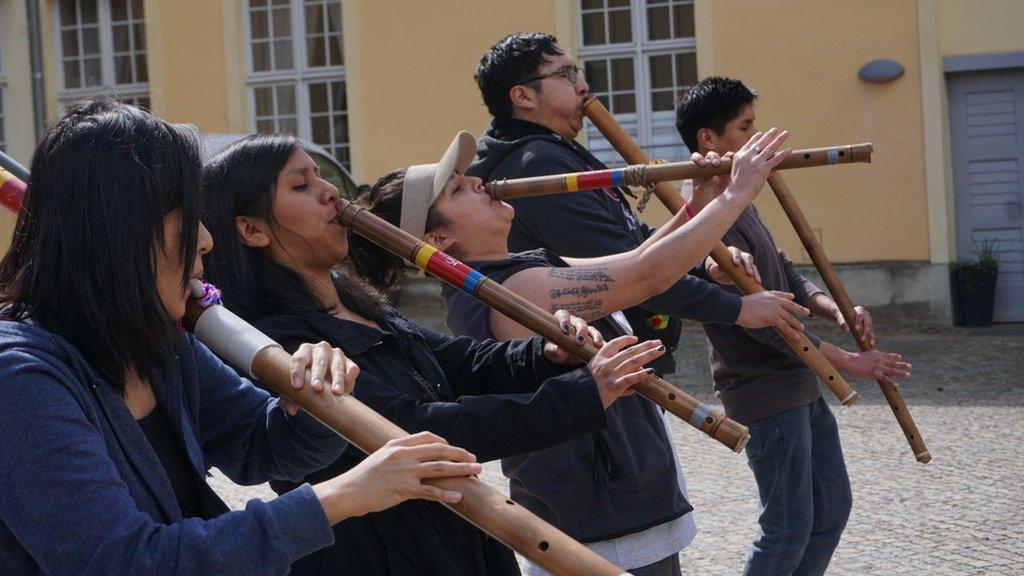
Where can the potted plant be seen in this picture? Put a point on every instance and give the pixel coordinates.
(974, 286)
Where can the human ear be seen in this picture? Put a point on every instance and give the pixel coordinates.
(252, 231)
(522, 97)
(439, 240)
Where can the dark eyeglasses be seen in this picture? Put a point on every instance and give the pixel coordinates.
(571, 74)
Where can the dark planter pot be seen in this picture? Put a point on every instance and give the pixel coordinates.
(974, 290)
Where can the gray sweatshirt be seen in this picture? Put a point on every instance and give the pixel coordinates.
(756, 373)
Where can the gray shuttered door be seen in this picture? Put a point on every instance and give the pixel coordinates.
(987, 128)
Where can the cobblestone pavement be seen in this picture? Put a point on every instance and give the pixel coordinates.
(961, 514)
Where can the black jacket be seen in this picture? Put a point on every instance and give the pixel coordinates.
(590, 224)
(614, 482)
(494, 399)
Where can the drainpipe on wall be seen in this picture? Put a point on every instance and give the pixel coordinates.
(36, 61)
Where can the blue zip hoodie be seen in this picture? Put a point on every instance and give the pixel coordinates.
(84, 492)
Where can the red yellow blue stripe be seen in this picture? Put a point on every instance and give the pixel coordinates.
(447, 268)
(12, 190)
(594, 180)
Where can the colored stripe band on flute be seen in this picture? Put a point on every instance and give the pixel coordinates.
(832, 155)
(447, 268)
(12, 191)
(570, 183)
(699, 414)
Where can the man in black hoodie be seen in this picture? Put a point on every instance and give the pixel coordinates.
(535, 93)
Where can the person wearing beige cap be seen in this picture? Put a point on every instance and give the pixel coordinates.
(281, 263)
(621, 487)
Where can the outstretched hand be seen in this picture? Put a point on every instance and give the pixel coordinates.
(755, 160)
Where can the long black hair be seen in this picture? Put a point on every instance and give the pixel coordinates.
(379, 267)
(82, 263)
(241, 181)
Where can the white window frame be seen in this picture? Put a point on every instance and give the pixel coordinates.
(640, 124)
(300, 76)
(125, 92)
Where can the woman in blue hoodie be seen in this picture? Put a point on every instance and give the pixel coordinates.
(112, 415)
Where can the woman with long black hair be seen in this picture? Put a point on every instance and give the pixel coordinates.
(112, 415)
(281, 261)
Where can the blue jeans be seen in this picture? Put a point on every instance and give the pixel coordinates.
(804, 489)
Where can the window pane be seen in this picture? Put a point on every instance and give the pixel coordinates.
(67, 13)
(686, 69)
(341, 129)
(285, 100)
(318, 97)
(658, 23)
(334, 17)
(261, 57)
(620, 27)
(316, 55)
(88, 11)
(265, 126)
(314, 19)
(137, 11)
(283, 55)
(334, 51)
(92, 72)
(613, 3)
(279, 2)
(604, 101)
(338, 102)
(662, 100)
(90, 41)
(321, 129)
(596, 72)
(139, 31)
(69, 42)
(622, 74)
(661, 71)
(593, 4)
(141, 68)
(683, 20)
(119, 9)
(120, 36)
(282, 21)
(342, 155)
(122, 69)
(258, 26)
(264, 98)
(593, 29)
(623, 104)
(288, 126)
(72, 78)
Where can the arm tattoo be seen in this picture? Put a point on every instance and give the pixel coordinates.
(590, 273)
(579, 308)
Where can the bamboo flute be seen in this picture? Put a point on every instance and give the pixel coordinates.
(248, 349)
(842, 299)
(801, 345)
(450, 270)
(643, 174)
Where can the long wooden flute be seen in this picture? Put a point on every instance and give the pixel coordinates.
(842, 299)
(641, 174)
(450, 270)
(801, 345)
(248, 349)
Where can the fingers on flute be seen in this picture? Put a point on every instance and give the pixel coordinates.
(564, 321)
(300, 360)
(417, 439)
(322, 353)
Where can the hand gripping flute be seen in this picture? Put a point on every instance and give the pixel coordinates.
(423, 255)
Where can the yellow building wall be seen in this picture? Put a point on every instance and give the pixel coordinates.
(409, 66)
(196, 66)
(980, 26)
(802, 56)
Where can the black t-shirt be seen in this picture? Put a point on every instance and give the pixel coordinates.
(172, 457)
